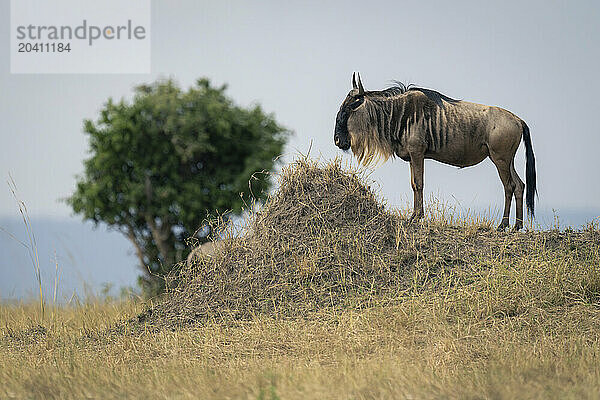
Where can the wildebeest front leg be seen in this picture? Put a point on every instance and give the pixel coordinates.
(416, 181)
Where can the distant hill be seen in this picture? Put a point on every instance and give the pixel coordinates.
(87, 258)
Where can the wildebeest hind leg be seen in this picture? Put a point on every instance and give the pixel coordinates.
(519, 188)
(503, 168)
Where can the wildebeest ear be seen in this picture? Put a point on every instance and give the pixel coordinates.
(361, 89)
(354, 81)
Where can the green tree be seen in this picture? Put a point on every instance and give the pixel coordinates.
(161, 163)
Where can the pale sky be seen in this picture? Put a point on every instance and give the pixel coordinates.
(538, 59)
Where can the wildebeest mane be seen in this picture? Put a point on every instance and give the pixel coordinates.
(400, 88)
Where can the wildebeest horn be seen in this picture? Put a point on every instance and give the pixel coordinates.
(361, 89)
(354, 81)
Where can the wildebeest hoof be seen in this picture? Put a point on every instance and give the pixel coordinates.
(502, 227)
(518, 226)
(415, 217)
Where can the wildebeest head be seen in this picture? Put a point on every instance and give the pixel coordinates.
(355, 127)
(349, 113)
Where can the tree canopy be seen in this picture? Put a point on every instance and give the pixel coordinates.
(161, 163)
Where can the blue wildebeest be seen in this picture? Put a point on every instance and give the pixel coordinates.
(416, 124)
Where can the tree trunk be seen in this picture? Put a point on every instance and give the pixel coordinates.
(161, 234)
(139, 251)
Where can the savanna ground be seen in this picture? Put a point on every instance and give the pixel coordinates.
(319, 300)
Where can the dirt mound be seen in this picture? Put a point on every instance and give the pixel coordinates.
(325, 240)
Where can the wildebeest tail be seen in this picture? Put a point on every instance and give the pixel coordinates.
(531, 189)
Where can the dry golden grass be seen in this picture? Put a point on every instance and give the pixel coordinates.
(453, 310)
(452, 344)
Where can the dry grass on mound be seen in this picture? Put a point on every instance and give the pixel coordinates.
(324, 240)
